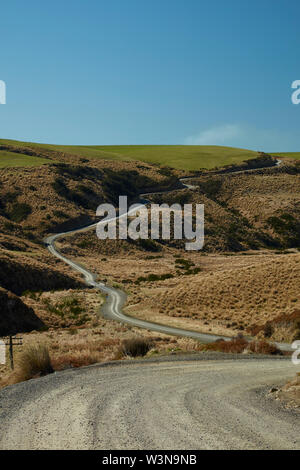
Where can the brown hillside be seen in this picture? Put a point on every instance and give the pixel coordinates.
(19, 273)
(39, 200)
(229, 296)
(15, 316)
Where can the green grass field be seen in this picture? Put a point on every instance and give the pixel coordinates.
(11, 159)
(185, 157)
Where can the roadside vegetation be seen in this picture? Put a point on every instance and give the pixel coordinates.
(32, 363)
(241, 345)
(82, 347)
(290, 393)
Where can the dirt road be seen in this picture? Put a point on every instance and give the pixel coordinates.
(193, 403)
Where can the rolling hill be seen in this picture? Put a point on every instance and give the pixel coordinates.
(183, 157)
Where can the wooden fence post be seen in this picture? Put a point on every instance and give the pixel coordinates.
(11, 352)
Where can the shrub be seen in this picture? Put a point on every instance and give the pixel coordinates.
(165, 171)
(235, 345)
(19, 211)
(60, 214)
(135, 347)
(78, 198)
(211, 187)
(154, 277)
(148, 244)
(9, 226)
(297, 332)
(288, 227)
(11, 196)
(33, 362)
(67, 307)
(264, 347)
(268, 330)
(125, 182)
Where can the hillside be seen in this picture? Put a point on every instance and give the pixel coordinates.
(38, 200)
(52, 189)
(230, 295)
(183, 157)
(18, 317)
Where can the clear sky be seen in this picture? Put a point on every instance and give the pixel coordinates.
(151, 72)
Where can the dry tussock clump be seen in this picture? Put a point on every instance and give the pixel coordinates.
(33, 362)
(135, 347)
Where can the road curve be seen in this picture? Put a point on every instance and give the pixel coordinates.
(115, 298)
(202, 401)
(195, 403)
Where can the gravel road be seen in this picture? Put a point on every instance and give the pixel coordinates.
(197, 402)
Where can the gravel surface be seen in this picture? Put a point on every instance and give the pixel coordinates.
(179, 403)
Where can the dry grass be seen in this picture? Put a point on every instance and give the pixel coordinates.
(135, 347)
(70, 308)
(240, 345)
(98, 341)
(290, 393)
(33, 362)
(286, 325)
(226, 298)
(35, 187)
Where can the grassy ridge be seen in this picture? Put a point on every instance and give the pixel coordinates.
(11, 159)
(186, 157)
(189, 157)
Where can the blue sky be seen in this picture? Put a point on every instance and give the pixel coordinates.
(151, 72)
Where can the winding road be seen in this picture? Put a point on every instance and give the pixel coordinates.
(200, 401)
(115, 298)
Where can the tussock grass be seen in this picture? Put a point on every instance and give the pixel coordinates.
(241, 297)
(33, 362)
(135, 347)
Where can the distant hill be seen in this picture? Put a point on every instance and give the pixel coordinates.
(184, 157)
